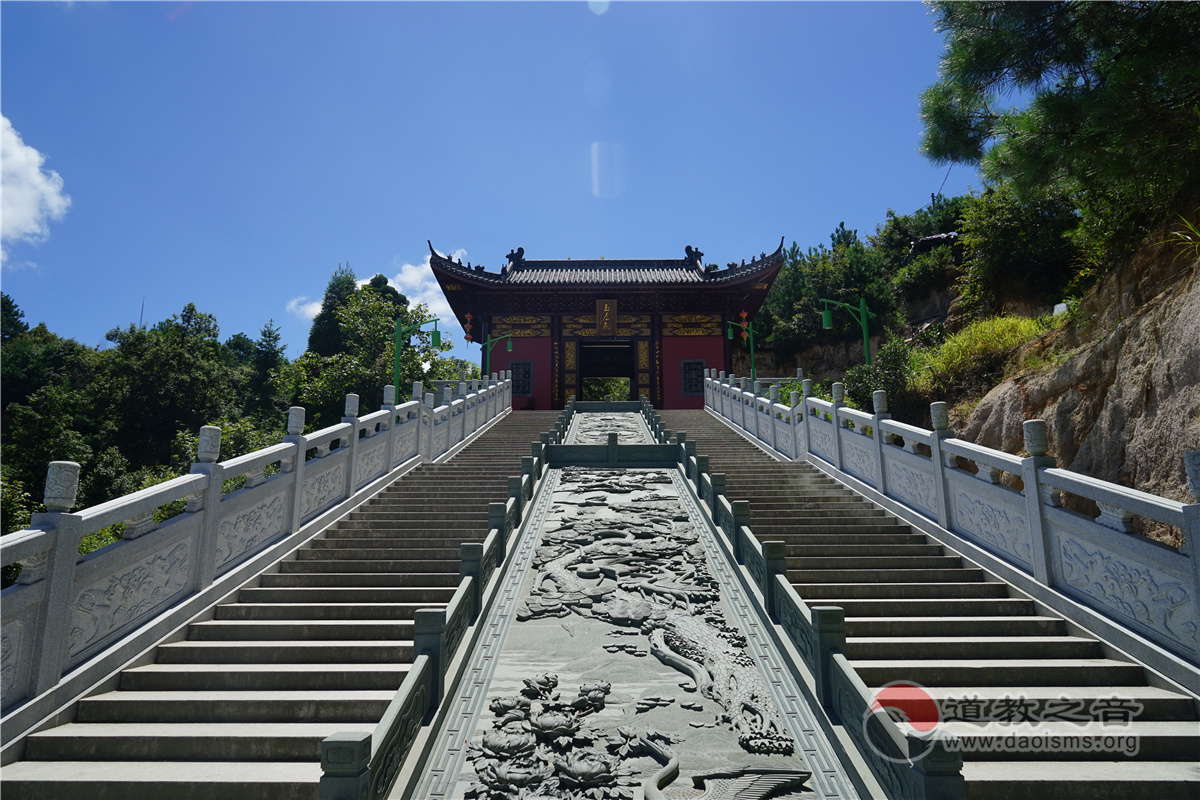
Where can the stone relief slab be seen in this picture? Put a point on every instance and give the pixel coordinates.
(820, 437)
(249, 529)
(859, 457)
(1132, 590)
(321, 490)
(588, 428)
(620, 647)
(117, 599)
(16, 651)
(1003, 529)
(913, 487)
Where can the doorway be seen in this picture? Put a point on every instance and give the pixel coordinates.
(607, 368)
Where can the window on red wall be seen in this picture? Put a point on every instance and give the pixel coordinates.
(693, 376)
(522, 378)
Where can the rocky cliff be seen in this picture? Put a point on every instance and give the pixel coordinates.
(1121, 392)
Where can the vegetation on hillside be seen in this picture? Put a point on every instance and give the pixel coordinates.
(130, 413)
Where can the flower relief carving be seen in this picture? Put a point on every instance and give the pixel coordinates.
(822, 441)
(1004, 530)
(1132, 590)
(249, 528)
(859, 459)
(123, 597)
(371, 461)
(13, 647)
(912, 486)
(321, 489)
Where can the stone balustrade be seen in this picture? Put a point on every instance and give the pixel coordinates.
(68, 610)
(958, 491)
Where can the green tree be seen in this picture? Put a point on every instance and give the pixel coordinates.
(1016, 248)
(1112, 117)
(11, 319)
(325, 335)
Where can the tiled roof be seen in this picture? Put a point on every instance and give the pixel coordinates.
(644, 272)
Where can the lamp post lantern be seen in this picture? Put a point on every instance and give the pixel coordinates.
(746, 333)
(402, 335)
(860, 314)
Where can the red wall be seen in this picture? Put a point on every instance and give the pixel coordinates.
(675, 350)
(537, 350)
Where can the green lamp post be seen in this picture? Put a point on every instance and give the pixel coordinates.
(747, 333)
(487, 345)
(402, 336)
(860, 314)
(487, 349)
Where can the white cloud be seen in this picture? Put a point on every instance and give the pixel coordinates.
(31, 197)
(302, 309)
(416, 282)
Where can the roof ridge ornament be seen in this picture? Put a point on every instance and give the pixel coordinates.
(693, 257)
(516, 258)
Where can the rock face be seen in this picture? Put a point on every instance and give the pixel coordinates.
(1125, 405)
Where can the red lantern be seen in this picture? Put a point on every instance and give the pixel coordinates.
(468, 337)
(745, 335)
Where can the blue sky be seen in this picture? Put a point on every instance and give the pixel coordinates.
(233, 154)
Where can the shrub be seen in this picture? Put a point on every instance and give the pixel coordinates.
(891, 371)
(973, 354)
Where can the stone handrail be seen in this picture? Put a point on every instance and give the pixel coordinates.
(67, 610)
(956, 490)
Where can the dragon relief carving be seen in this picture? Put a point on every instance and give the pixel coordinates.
(121, 598)
(249, 529)
(321, 490)
(913, 487)
(1007, 532)
(595, 428)
(1133, 591)
(645, 570)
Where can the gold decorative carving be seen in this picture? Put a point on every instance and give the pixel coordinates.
(643, 355)
(453, 287)
(539, 319)
(644, 391)
(708, 330)
(691, 319)
(569, 379)
(519, 333)
(643, 379)
(569, 355)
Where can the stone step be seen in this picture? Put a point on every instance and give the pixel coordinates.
(349, 580)
(253, 630)
(286, 652)
(1143, 741)
(1082, 780)
(180, 741)
(947, 625)
(1000, 672)
(826, 593)
(252, 706)
(1046, 702)
(319, 611)
(882, 562)
(857, 540)
(419, 596)
(814, 551)
(970, 647)
(929, 608)
(781, 530)
(407, 567)
(181, 780)
(378, 539)
(404, 555)
(383, 676)
(959, 575)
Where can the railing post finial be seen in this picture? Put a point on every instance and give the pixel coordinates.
(880, 400)
(1036, 438)
(351, 405)
(62, 486)
(209, 447)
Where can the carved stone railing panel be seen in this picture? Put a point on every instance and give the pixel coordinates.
(323, 487)
(16, 644)
(858, 458)
(372, 460)
(992, 516)
(820, 437)
(113, 601)
(249, 529)
(911, 480)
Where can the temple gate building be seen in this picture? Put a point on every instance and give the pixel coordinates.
(658, 322)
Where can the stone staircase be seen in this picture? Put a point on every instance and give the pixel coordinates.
(238, 708)
(915, 612)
